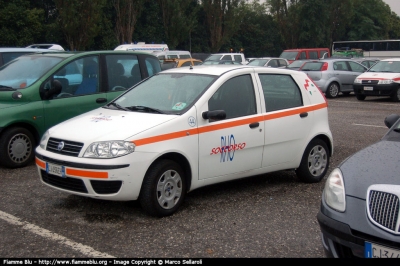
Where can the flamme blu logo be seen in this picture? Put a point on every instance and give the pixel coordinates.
(227, 148)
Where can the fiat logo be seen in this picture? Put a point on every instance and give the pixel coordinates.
(60, 146)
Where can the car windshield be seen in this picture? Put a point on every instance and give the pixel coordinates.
(213, 57)
(312, 66)
(258, 62)
(386, 66)
(289, 55)
(168, 93)
(26, 70)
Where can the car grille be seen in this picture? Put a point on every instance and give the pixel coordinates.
(369, 82)
(106, 187)
(67, 183)
(64, 147)
(383, 208)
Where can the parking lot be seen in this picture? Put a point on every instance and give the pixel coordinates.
(268, 216)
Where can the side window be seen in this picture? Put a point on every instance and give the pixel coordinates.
(236, 97)
(119, 70)
(184, 56)
(227, 57)
(79, 77)
(188, 63)
(153, 66)
(340, 65)
(282, 63)
(238, 58)
(303, 55)
(313, 54)
(356, 67)
(272, 63)
(280, 92)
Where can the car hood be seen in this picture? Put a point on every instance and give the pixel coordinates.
(380, 75)
(105, 124)
(376, 164)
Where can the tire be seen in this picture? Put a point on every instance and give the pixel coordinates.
(17, 147)
(360, 97)
(315, 162)
(163, 189)
(333, 90)
(396, 95)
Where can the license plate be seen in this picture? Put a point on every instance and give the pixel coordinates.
(377, 251)
(54, 169)
(368, 88)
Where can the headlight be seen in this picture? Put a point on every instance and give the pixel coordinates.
(357, 81)
(385, 81)
(334, 191)
(109, 149)
(43, 140)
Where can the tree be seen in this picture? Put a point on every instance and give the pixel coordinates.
(179, 18)
(79, 21)
(127, 14)
(223, 18)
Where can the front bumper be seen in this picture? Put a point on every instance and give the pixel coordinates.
(118, 179)
(344, 234)
(377, 89)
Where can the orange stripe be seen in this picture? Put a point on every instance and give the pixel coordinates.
(184, 133)
(83, 173)
(40, 163)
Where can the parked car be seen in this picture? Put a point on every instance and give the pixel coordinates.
(368, 62)
(237, 57)
(220, 62)
(269, 62)
(38, 91)
(333, 75)
(51, 46)
(305, 53)
(382, 79)
(185, 128)
(171, 63)
(359, 213)
(10, 53)
(295, 65)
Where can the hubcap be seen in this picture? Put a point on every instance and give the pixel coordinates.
(334, 89)
(19, 148)
(169, 189)
(317, 160)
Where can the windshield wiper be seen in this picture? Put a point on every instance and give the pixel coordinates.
(145, 109)
(118, 106)
(6, 88)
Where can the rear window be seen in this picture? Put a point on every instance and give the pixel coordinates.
(312, 66)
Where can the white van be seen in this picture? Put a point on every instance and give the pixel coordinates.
(174, 54)
(143, 47)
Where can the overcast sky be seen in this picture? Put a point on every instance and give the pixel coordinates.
(394, 5)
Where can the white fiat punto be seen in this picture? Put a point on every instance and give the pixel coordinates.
(186, 128)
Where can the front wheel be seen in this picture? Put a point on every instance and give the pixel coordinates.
(16, 147)
(396, 95)
(315, 162)
(360, 97)
(332, 91)
(163, 189)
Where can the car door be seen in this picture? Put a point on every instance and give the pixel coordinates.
(81, 91)
(286, 126)
(233, 144)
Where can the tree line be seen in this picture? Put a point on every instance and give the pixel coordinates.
(258, 27)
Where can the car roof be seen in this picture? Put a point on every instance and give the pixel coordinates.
(65, 54)
(19, 49)
(391, 59)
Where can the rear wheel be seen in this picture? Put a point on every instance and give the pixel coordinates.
(163, 189)
(16, 147)
(396, 95)
(315, 162)
(332, 91)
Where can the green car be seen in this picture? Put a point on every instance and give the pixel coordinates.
(38, 91)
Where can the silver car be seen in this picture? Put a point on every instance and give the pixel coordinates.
(269, 62)
(334, 75)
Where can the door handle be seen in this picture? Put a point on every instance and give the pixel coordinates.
(303, 114)
(101, 100)
(254, 125)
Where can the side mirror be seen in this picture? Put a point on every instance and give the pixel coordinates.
(214, 115)
(390, 120)
(55, 89)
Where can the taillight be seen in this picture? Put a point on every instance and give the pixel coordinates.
(324, 66)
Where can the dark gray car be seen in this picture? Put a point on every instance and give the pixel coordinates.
(359, 213)
(333, 75)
